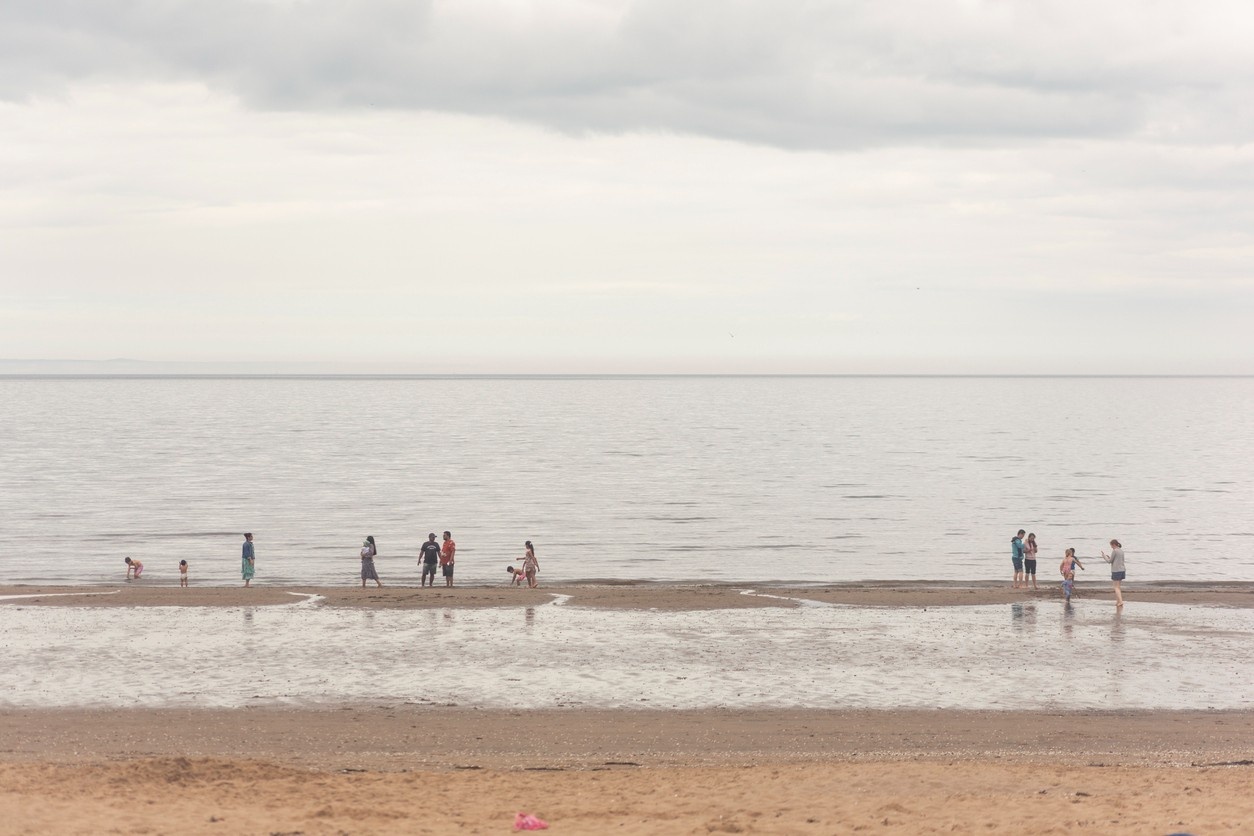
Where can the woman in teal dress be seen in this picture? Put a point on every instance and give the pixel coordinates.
(248, 561)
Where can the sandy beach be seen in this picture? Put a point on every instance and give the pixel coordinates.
(386, 766)
(381, 769)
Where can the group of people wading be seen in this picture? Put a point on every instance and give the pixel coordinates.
(1023, 556)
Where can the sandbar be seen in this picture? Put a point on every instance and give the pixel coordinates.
(619, 595)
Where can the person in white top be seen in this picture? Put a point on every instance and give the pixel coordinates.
(368, 573)
(1118, 571)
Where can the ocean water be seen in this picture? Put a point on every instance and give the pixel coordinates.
(749, 479)
(1023, 656)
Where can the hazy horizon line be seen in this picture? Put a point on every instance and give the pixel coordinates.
(597, 375)
(543, 367)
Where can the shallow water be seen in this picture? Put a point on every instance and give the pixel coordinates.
(718, 479)
(1021, 656)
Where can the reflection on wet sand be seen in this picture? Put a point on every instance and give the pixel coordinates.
(1023, 615)
(823, 656)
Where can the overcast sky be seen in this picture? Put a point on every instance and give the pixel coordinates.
(607, 185)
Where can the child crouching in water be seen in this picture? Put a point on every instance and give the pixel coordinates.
(516, 575)
(182, 573)
(133, 569)
(1067, 568)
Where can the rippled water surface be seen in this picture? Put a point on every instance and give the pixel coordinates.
(1040, 655)
(805, 479)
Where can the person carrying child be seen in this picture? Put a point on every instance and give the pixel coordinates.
(368, 553)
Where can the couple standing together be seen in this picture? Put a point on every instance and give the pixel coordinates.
(433, 554)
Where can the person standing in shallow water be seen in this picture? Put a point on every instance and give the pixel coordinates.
(368, 552)
(1016, 557)
(1118, 571)
(248, 562)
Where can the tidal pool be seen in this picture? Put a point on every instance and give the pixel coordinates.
(1033, 655)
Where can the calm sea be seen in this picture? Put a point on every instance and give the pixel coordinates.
(657, 478)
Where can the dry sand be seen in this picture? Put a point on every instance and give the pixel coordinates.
(207, 796)
(410, 770)
(624, 595)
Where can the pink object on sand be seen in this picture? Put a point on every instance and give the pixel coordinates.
(526, 821)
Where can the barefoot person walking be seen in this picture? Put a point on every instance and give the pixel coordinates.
(368, 573)
(1118, 571)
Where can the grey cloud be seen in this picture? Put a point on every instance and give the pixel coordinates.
(806, 75)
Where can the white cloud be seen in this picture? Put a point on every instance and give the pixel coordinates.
(814, 75)
(610, 185)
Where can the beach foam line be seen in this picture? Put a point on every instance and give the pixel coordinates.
(57, 595)
(804, 602)
(311, 599)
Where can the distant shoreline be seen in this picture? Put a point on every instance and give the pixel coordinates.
(132, 375)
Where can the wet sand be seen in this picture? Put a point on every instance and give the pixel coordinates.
(667, 597)
(396, 736)
(410, 770)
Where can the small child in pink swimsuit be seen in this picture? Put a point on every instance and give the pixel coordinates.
(1067, 569)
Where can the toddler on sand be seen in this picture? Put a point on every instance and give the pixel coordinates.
(182, 573)
(516, 575)
(133, 568)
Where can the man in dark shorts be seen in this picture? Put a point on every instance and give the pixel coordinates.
(446, 557)
(430, 554)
